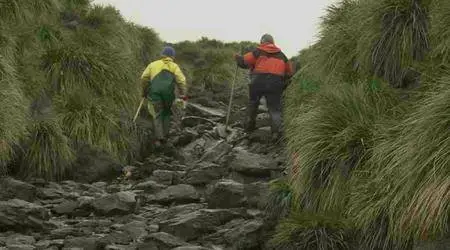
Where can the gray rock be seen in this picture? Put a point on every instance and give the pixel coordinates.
(261, 135)
(252, 164)
(203, 111)
(150, 186)
(18, 239)
(257, 194)
(193, 225)
(22, 216)
(21, 247)
(186, 137)
(85, 243)
(192, 121)
(162, 241)
(215, 152)
(191, 248)
(15, 189)
(118, 237)
(167, 177)
(95, 165)
(226, 194)
(62, 233)
(177, 210)
(179, 194)
(239, 234)
(195, 150)
(43, 244)
(205, 174)
(118, 203)
(136, 229)
(67, 207)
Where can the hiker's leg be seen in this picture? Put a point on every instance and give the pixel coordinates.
(166, 118)
(252, 107)
(274, 106)
(158, 120)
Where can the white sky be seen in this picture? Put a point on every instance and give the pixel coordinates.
(293, 23)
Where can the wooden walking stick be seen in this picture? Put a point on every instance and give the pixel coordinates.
(139, 109)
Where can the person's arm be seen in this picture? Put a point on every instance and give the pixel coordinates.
(146, 76)
(246, 61)
(180, 80)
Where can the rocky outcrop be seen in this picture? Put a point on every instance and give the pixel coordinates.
(210, 196)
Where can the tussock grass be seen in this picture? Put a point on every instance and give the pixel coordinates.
(280, 199)
(331, 139)
(13, 112)
(47, 153)
(303, 230)
(410, 183)
(394, 37)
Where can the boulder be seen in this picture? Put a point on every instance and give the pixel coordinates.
(51, 193)
(118, 203)
(203, 111)
(251, 164)
(239, 234)
(192, 225)
(226, 194)
(192, 121)
(62, 233)
(85, 243)
(186, 137)
(205, 173)
(136, 229)
(180, 209)
(95, 165)
(179, 194)
(149, 186)
(257, 194)
(15, 189)
(18, 239)
(195, 150)
(66, 207)
(167, 177)
(20, 216)
(191, 248)
(162, 241)
(216, 151)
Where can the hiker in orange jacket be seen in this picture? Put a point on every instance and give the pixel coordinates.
(270, 72)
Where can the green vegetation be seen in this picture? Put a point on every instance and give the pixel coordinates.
(70, 78)
(367, 128)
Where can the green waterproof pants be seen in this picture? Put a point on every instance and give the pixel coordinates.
(161, 95)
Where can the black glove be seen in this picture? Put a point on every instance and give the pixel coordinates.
(145, 92)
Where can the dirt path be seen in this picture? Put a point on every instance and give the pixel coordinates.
(210, 193)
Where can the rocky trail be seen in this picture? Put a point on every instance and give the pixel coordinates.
(210, 193)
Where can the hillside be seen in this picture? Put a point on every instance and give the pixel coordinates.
(367, 129)
(366, 136)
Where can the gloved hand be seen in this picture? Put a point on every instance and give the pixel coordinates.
(181, 102)
(145, 92)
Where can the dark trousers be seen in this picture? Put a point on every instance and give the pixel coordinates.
(271, 87)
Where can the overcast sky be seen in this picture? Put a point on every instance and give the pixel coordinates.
(293, 23)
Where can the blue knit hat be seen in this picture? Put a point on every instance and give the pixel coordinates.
(168, 51)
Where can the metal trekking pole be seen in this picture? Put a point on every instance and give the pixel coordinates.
(231, 98)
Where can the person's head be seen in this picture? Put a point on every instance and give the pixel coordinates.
(266, 38)
(168, 51)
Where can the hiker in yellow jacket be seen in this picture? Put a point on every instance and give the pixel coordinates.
(159, 82)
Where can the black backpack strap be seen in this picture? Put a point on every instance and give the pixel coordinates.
(279, 55)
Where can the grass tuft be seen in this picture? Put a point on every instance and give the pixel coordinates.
(303, 230)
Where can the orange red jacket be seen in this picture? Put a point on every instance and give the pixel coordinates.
(267, 59)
